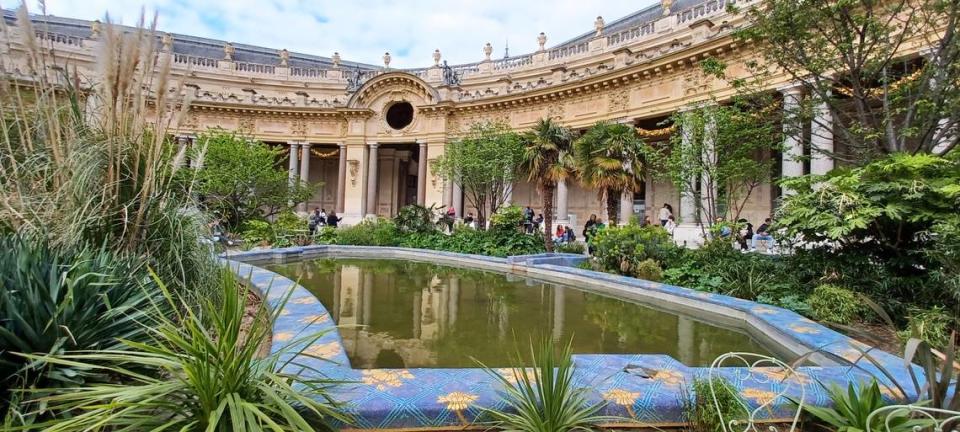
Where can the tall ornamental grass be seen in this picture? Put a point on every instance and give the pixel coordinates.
(85, 157)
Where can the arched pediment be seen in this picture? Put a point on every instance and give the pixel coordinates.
(393, 82)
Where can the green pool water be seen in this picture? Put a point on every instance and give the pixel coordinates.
(404, 314)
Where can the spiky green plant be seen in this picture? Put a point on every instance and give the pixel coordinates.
(54, 300)
(609, 158)
(87, 159)
(209, 376)
(851, 409)
(545, 397)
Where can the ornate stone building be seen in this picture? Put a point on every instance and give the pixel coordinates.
(366, 134)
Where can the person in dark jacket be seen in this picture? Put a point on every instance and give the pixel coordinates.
(333, 220)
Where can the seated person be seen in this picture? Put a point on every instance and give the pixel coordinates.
(763, 234)
(558, 235)
(568, 235)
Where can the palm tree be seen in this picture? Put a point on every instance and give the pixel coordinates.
(546, 158)
(609, 158)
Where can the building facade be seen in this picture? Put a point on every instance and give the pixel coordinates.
(366, 134)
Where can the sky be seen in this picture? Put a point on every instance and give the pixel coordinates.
(362, 30)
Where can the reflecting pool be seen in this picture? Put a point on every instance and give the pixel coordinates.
(405, 314)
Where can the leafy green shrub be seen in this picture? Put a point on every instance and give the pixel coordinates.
(507, 218)
(648, 269)
(931, 325)
(618, 249)
(208, 375)
(700, 410)
(415, 218)
(570, 248)
(792, 302)
(257, 232)
(326, 235)
(370, 232)
(835, 304)
(55, 300)
(545, 397)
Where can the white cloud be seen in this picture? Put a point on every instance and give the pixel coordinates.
(362, 30)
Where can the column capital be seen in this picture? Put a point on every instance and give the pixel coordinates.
(372, 144)
(342, 145)
(422, 143)
(791, 89)
(293, 143)
(306, 144)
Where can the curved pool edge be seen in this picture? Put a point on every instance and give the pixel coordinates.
(416, 398)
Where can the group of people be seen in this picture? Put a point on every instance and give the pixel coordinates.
(564, 234)
(748, 235)
(747, 238)
(531, 223)
(319, 219)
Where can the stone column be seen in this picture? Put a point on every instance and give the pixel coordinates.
(294, 160)
(791, 163)
(688, 209)
(685, 340)
(563, 216)
(559, 309)
(183, 144)
(710, 159)
(626, 207)
(372, 177)
(422, 174)
(341, 177)
(304, 171)
(458, 200)
(821, 140)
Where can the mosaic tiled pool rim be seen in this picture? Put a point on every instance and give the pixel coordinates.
(456, 397)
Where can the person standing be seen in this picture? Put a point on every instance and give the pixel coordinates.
(333, 220)
(588, 229)
(664, 214)
(315, 220)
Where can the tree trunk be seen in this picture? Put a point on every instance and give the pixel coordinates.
(547, 191)
(613, 207)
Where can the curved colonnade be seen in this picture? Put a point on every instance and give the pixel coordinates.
(366, 134)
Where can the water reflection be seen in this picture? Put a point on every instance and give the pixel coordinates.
(406, 314)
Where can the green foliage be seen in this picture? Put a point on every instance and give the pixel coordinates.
(738, 132)
(570, 248)
(209, 376)
(242, 179)
(701, 408)
(485, 163)
(370, 232)
(56, 300)
(648, 269)
(106, 178)
(415, 218)
(932, 326)
(884, 107)
(287, 230)
(545, 398)
(507, 219)
(880, 210)
(852, 407)
(835, 304)
(609, 157)
(619, 249)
